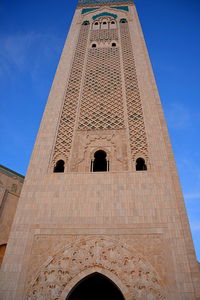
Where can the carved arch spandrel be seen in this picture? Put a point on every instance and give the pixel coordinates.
(113, 258)
(111, 142)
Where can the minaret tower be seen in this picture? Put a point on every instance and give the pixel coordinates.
(101, 214)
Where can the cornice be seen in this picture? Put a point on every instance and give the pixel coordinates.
(99, 3)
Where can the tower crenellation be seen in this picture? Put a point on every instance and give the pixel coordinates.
(102, 2)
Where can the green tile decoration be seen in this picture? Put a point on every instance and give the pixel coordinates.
(121, 8)
(85, 10)
(104, 14)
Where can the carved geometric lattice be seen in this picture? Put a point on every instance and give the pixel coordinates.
(102, 100)
(67, 121)
(102, 105)
(138, 140)
(104, 35)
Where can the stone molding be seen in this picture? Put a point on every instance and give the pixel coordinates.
(136, 278)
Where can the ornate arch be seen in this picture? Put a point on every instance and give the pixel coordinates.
(89, 271)
(99, 148)
(135, 277)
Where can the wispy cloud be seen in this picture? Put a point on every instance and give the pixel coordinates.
(16, 47)
(178, 116)
(195, 225)
(21, 50)
(190, 168)
(168, 67)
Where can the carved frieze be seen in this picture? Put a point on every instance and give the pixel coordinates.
(139, 277)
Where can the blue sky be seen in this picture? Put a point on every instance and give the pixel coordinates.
(32, 34)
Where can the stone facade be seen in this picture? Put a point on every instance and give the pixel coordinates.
(128, 225)
(10, 188)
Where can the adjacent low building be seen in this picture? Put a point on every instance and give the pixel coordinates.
(10, 189)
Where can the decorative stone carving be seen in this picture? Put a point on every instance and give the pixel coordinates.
(102, 100)
(112, 142)
(137, 131)
(68, 116)
(133, 271)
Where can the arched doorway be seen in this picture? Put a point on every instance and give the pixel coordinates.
(95, 286)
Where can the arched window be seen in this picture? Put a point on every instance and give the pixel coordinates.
(113, 25)
(96, 25)
(2, 252)
(114, 44)
(100, 163)
(86, 23)
(95, 286)
(59, 167)
(94, 45)
(123, 21)
(104, 24)
(140, 164)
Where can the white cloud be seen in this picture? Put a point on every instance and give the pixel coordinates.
(16, 47)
